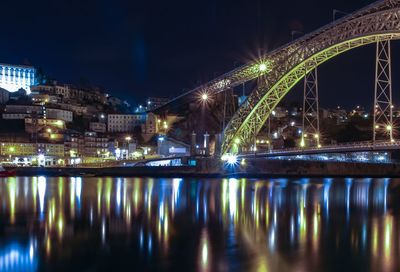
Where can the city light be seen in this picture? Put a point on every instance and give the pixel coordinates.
(262, 67)
(231, 159)
(302, 143)
(204, 97)
(389, 128)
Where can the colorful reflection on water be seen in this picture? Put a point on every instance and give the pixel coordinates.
(75, 224)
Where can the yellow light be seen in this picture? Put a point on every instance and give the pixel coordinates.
(319, 146)
(11, 149)
(302, 143)
(53, 136)
(377, 126)
(237, 141)
(316, 136)
(204, 97)
(128, 138)
(262, 67)
(49, 130)
(389, 127)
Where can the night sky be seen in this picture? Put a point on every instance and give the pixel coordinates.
(135, 49)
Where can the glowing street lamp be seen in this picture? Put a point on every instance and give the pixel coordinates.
(302, 143)
(389, 128)
(204, 97)
(262, 67)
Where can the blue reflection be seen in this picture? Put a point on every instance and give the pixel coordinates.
(15, 257)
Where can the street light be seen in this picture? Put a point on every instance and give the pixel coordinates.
(262, 67)
(204, 97)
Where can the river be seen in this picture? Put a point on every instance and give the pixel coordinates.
(146, 224)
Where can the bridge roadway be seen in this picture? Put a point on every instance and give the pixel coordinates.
(344, 148)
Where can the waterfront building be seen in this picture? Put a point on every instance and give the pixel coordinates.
(15, 77)
(170, 147)
(95, 145)
(42, 154)
(73, 144)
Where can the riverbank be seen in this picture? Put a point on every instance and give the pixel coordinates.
(208, 167)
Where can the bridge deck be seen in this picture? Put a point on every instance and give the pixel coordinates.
(346, 148)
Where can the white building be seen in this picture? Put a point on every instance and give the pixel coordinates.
(15, 77)
(124, 122)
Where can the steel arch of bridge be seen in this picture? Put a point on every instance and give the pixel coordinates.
(288, 65)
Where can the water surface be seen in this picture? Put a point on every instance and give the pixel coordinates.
(145, 224)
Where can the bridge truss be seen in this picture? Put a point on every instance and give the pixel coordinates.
(280, 70)
(287, 66)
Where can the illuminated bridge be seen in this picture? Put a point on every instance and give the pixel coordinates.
(278, 71)
(379, 146)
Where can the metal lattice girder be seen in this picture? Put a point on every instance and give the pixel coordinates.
(311, 108)
(383, 106)
(378, 22)
(358, 23)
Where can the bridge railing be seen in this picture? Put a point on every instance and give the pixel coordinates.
(345, 146)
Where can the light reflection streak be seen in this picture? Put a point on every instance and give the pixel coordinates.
(204, 252)
(266, 213)
(42, 193)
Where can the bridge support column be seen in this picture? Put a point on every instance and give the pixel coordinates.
(310, 132)
(383, 105)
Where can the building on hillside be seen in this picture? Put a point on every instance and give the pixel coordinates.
(43, 98)
(33, 125)
(124, 122)
(59, 114)
(23, 109)
(70, 92)
(15, 77)
(75, 108)
(98, 127)
(42, 154)
(4, 96)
